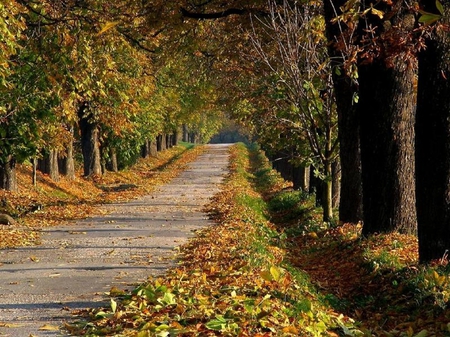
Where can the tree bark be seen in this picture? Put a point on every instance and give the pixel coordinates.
(351, 200)
(337, 173)
(145, 149)
(433, 144)
(159, 143)
(68, 162)
(54, 169)
(185, 133)
(386, 110)
(8, 177)
(90, 146)
(153, 149)
(49, 165)
(113, 160)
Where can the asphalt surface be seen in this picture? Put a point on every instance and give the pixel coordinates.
(76, 265)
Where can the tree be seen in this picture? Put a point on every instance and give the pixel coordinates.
(386, 110)
(341, 50)
(299, 63)
(433, 135)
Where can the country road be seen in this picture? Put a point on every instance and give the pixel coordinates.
(76, 264)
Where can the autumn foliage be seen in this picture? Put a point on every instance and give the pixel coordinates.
(257, 272)
(54, 203)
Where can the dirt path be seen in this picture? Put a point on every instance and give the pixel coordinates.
(77, 264)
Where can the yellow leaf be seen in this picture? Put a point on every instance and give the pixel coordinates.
(291, 329)
(275, 272)
(313, 235)
(49, 327)
(107, 26)
(377, 12)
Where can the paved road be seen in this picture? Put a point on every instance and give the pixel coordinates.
(75, 265)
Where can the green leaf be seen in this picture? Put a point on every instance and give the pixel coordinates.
(423, 333)
(440, 7)
(217, 324)
(428, 18)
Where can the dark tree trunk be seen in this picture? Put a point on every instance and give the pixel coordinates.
(433, 145)
(8, 178)
(43, 163)
(159, 143)
(114, 167)
(90, 146)
(351, 202)
(48, 164)
(175, 138)
(386, 109)
(145, 149)
(283, 165)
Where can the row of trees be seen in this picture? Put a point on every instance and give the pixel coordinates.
(326, 84)
(98, 75)
(363, 82)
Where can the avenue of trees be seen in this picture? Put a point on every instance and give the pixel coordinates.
(351, 98)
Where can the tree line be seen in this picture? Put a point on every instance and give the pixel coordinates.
(356, 88)
(91, 78)
(355, 92)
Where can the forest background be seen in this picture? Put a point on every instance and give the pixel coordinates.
(357, 92)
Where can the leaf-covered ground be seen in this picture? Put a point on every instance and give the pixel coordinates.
(54, 203)
(290, 276)
(270, 267)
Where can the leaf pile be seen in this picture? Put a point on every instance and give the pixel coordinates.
(52, 203)
(232, 281)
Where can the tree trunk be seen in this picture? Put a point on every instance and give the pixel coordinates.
(69, 163)
(159, 143)
(327, 202)
(175, 138)
(185, 133)
(34, 175)
(49, 165)
(53, 167)
(337, 173)
(8, 178)
(153, 149)
(90, 146)
(433, 145)
(386, 110)
(163, 142)
(113, 160)
(145, 149)
(351, 200)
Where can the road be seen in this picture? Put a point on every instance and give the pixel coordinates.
(76, 265)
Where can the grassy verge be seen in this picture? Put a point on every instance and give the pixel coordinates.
(270, 267)
(52, 203)
(234, 278)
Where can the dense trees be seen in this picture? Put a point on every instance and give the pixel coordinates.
(90, 71)
(312, 81)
